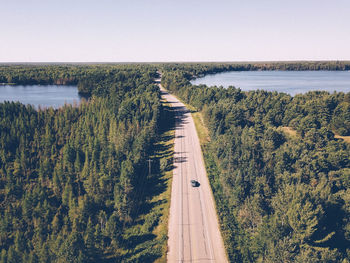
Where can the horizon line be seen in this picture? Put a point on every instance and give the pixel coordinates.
(170, 62)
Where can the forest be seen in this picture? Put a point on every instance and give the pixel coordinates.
(74, 182)
(280, 177)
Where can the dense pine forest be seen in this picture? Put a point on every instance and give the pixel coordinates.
(74, 182)
(280, 177)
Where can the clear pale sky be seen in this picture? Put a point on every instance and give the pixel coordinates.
(173, 30)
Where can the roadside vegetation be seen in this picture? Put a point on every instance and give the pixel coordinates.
(280, 176)
(75, 184)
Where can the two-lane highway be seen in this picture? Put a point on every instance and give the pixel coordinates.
(194, 234)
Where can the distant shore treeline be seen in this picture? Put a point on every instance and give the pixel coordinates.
(86, 75)
(194, 70)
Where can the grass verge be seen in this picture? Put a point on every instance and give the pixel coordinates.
(202, 130)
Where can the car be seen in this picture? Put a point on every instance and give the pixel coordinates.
(194, 183)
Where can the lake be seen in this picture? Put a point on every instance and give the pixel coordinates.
(44, 95)
(291, 82)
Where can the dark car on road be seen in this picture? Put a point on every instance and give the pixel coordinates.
(194, 183)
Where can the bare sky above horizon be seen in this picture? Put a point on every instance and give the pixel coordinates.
(155, 30)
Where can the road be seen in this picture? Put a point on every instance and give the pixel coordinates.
(194, 234)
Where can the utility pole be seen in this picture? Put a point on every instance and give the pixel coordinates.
(229, 159)
(149, 166)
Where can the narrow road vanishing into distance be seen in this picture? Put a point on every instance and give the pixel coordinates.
(194, 233)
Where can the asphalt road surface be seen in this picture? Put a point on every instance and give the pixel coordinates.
(194, 234)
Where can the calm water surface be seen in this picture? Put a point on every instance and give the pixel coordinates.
(43, 95)
(291, 82)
